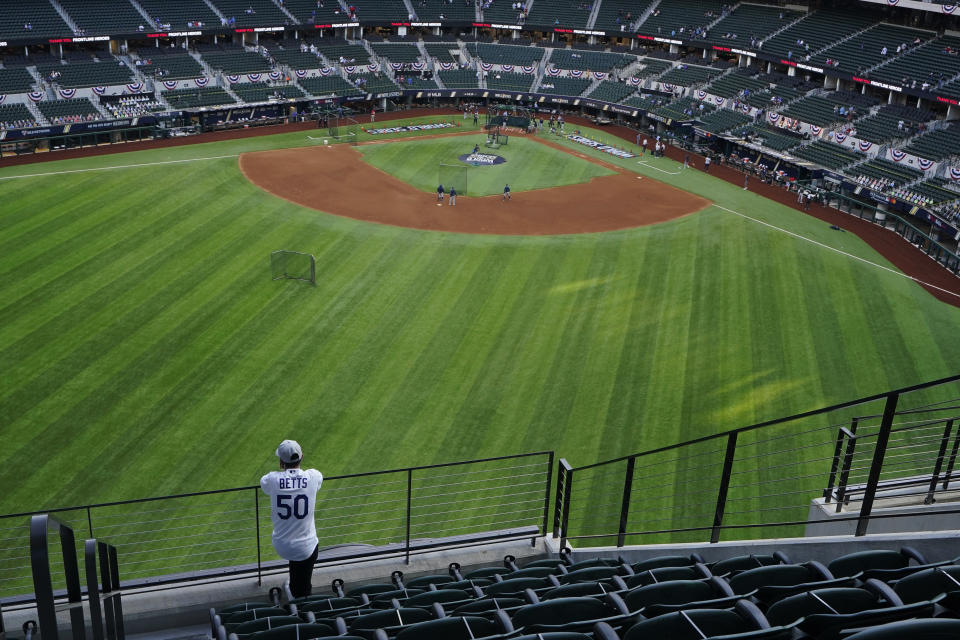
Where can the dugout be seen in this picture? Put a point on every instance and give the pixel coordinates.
(62, 141)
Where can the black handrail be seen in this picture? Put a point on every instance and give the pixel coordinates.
(40, 528)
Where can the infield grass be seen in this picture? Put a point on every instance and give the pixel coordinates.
(529, 164)
(144, 349)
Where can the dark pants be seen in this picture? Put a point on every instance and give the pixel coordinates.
(301, 573)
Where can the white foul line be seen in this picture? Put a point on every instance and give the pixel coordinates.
(650, 166)
(123, 166)
(849, 255)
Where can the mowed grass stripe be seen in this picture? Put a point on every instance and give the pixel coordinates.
(103, 267)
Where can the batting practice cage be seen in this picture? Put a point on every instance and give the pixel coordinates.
(453, 176)
(293, 265)
(495, 139)
(508, 115)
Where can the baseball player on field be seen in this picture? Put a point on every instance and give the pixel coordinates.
(506, 192)
(453, 196)
(440, 193)
(293, 496)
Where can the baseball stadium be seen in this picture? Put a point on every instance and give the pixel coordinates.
(604, 320)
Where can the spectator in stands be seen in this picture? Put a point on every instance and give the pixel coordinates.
(293, 496)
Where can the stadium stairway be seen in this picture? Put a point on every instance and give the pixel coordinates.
(646, 14)
(63, 14)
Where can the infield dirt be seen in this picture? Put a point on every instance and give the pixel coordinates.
(336, 180)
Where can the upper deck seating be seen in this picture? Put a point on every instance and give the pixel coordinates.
(688, 75)
(307, 12)
(86, 74)
(380, 10)
(615, 14)
(251, 13)
(857, 54)
(397, 52)
(31, 18)
(748, 24)
(505, 54)
(931, 64)
(589, 60)
(561, 13)
(500, 11)
(104, 16)
(817, 31)
(681, 18)
(937, 145)
(236, 61)
(176, 15)
(430, 10)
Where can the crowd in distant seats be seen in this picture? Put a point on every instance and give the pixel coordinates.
(74, 118)
(133, 106)
(17, 124)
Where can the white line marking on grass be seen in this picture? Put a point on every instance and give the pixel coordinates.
(122, 166)
(650, 166)
(840, 251)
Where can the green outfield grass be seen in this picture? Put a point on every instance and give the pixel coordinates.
(529, 165)
(146, 351)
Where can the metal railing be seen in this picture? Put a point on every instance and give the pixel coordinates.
(759, 480)
(225, 533)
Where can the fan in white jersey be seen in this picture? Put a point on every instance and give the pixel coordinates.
(293, 497)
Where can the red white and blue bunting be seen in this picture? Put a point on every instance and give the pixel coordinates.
(301, 73)
(719, 100)
(325, 71)
(576, 73)
(275, 75)
(841, 136)
(636, 81)
(599, 75)
(948, 8)
(924, 164)
(553, 71)
(745, 107)
(396, 66)
(701, 94)
(170, 84)
(35, 96)
(955, 174)
(373, 67)
(864, 145)
(135, 87)
(528, 68)
(446, 66)
(507, 67)
(2, 98)
(774, 117)
(254, 77)
(893, 3)
(486, 67)
(349, 69)
(66, 94)
(233, 79)
(419, 66)
(201, 82)
(99, 90)
(896, 155)
(815, 130)
(667, 86)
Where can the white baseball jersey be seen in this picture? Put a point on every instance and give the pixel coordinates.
(293, 496)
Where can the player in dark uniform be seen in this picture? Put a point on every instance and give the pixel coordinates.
(506, 192)
(440, 193)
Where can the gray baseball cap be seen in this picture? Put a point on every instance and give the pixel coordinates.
(289, 451)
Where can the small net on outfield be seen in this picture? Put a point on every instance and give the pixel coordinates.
(453, 176)
(293, 265)
(497, 140)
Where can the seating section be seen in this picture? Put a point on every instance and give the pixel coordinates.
(686, 75)
(883, 174)
(646, 102)
(68, 111)
(180, 66)
(15, 80)
(650, 67)
(343, 52)
(397, 52)
(441, 51)
(16, 116)
(198, 97)
(827, 154)
(936, 145)
(103, 16)
(500, 11)
(236, 61)
(430, 10)
(815, 110)
(26, 18)
(414, 81)
(816, 32)
(769, 138)
(263, 92)
(589, 60)
(680, 18)
(736, 84)
(609, 91)
(503, 81)
(925, 194)
(375, 10)
(561, 13)
(684, 109)
(671, 596)
(459, 79)
(748, 24)
(86, 74)
(505, 54)
(328, 85)
(296, 59)
(176, 15)
(307, 11)
(723, 120)
(932, 64)
(132, 106)
(615, 14)
(886, 125)
(372, 82)
(563, 86)
(866, 50)
(251, 13)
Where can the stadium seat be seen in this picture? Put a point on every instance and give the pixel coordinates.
(665, 574)
(425, 600)
(329, 607)
(666, 597)
(854, 564)
(592, 574)
(931, 585)
(570, 614)
(231, 620)
(591, 589)
(516, 586)
(745, 563)
(308, 631)
(426, 581)
(455, 628)
(745, 620)
(391, 621)
(912, 630)
(247, 629)
(666, 561)
(772, 583)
